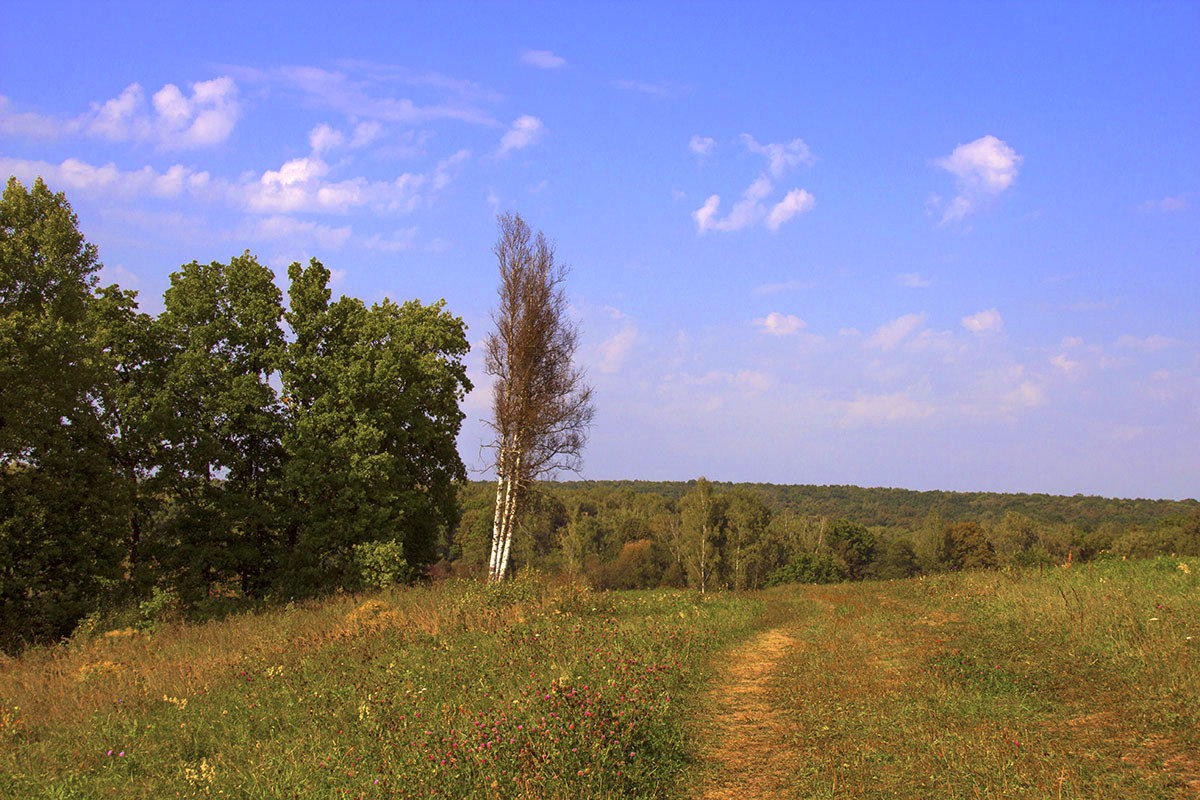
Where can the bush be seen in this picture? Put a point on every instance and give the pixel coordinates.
(807, 568)
(381, 564)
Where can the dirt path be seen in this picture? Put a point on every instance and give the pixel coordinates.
(748, 757)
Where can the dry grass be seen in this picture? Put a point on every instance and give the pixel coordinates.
(55, 685)
(1068, 684)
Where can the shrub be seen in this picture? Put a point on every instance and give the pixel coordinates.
(807, 568)
(381, 564)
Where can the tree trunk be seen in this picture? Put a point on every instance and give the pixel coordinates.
(497, 519)
(510, 515)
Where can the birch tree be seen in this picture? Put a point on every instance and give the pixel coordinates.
(541, 405)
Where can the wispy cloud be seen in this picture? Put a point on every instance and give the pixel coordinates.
(781, 156)
(615, 349)
(795, 202)
(659, 89)
(1149, 344)
(1167, 205)
(365, 91)
(913, 280)
(525, 131)
(988, 321)
(542, 59)
(702, 146)
(777, 324)
(785, 286)
(888, 335)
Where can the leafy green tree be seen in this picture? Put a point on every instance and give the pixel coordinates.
(898, 560)
(852, 544)
(703, 524)
(965, 547)
(59, 534)
(748, 518)
(131, 354)
(372, 398)
(222, 326)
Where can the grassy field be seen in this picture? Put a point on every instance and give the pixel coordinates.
(529, 689)
(1067, 683)
(1071, 683)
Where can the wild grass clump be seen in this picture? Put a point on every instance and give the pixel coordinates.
(527, 689)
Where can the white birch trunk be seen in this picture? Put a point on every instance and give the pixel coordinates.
(510, 513)
(494, 552)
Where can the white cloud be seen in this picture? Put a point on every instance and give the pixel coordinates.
(778, 324)
(1027, 395)
(107, 180)
(543, 59)
(1167, 204)
(525, 131)
(704, 215)
(323, 137)
(785, 286)
(365, 133)
(797, 201)
(753, 381)
(749, 209)
(1069, 366)
(614, 350)
(984, 322)
(171, 119)
(983, 168)
(298, 185)
(645, 87)
(702, 146)
(1150, 344)
(913, 280)
(294, 231)
(781, 155)
(360, 92)
(448, 168)
(886, 408)
(400, 240)
(890, 334)
(28, 123)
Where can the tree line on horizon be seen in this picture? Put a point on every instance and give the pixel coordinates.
(234, 444)
(704, 535)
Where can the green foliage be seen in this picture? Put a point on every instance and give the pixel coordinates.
(59, 508)
(898, 560)
(381, 564)
(853, 546)
(965, 547)
(807, 568)
(141, 455)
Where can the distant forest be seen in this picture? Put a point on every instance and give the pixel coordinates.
(891, 508)
(702, 534)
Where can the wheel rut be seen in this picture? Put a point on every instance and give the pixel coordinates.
(748, 757)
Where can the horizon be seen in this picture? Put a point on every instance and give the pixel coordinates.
(934, 248)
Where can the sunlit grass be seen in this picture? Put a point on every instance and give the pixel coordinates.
(1072, 683)
(463, 690)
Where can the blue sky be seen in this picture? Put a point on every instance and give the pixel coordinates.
(933, 246)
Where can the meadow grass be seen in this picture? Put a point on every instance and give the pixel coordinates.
(529, 689)
(1062, 683)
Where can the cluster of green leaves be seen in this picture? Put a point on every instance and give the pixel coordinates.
(230, 444)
